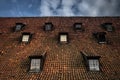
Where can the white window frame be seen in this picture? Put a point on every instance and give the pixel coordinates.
(93, 64)
(35, 65)
(63, 38)
(25, 38)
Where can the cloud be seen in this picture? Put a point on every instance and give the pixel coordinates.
(67, 7)
(79, 8)
(31, 8)
(49, 7)
(98, 7)
(56, 7)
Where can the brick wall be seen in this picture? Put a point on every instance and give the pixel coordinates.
(63, 62)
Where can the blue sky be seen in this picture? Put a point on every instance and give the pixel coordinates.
(32, 8)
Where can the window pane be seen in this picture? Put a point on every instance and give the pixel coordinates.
(102, 38)
(48, 27)
(94, 65)
(25, 38)
(18, 27)
(35, 65)
(63, 38)
(78, 26)
(109, 27)
(32, 64)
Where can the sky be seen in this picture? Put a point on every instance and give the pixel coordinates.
(35, 8)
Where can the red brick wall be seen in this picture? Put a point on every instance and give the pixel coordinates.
(63, 62)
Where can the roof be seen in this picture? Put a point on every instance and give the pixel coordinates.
(63, 61)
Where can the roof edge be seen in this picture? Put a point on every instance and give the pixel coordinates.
(65, 17)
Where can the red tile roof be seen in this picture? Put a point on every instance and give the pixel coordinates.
(63, 61)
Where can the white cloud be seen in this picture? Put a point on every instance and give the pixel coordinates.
(67, 7)
(48, 7)
(45, 8)
(73, 7)
(84, 7)
(97, 7)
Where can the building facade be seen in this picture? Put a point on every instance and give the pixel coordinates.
(60, 48)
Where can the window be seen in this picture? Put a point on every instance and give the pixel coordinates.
(37, 62)
(108, 27)
(63, 37)
(26, 36)
(91, 61)
(48, 27)
(19, 26)
(94, 64)
(35, 65)
(78, 27)
(100, 37)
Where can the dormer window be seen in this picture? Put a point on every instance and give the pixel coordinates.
(36, 63)
(108, 27)
(48, 27)
(100, 37)
(26, 36)
(78, 27)
(19, 26)
(91, 61)
(63, 37)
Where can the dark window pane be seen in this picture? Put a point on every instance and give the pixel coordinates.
(18, 27)
(48, 27)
